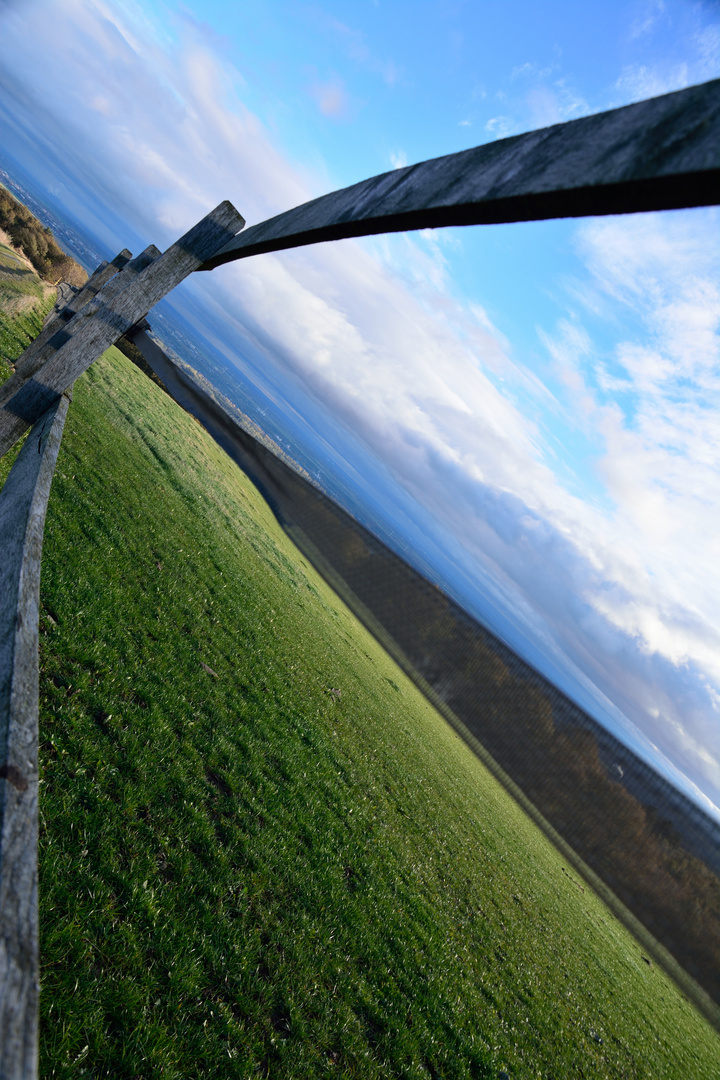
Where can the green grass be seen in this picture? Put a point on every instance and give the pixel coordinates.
(16, 333)
(19, 285)
(291, 867)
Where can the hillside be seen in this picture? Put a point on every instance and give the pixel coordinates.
(262, 852)
(20, 286)
(36, 242)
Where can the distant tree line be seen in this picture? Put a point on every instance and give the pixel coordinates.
(37, 242)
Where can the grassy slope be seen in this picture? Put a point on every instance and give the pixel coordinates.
(17, 329)
(249, 874)
(21, 291)
(19, 286)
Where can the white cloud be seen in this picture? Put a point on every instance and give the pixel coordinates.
(500, 126)
(707, 44)
(661, 458)
(555, 103)
(398, 159)
(648, 20)
(528, 70)
(700, 48)
(638, 82)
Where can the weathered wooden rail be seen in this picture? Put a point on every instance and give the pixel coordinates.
(23, 502)
(658, 154)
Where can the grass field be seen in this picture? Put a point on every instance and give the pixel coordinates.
(20, 287)
(262, 852)
(24, 301)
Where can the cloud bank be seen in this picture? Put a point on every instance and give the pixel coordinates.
(146, 129)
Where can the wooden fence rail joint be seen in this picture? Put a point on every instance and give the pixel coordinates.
(125, 299)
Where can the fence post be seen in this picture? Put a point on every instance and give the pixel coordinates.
(23, 502)
(101, 322)
(57, 334)
(95, 282)
(104, 272)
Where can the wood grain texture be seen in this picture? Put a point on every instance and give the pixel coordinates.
(659, 154)
(54, 336)
(23, 503)
(102, 321)
(60, 333)
(93, 285)
(97, 280)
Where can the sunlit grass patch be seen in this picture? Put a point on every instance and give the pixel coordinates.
(16, 333)
(20, 288)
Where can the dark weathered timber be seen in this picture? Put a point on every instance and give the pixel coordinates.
(59, 333)
(97, 280)
(660, 154)
(23, 502)
(65, 293)
(102, 323)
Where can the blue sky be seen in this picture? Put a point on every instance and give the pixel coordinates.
(535, 406)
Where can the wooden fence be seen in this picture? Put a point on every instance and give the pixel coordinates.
(659, 154)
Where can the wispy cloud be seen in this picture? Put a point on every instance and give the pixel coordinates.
(701, 59)
(647, 21)
(500, 126)
(552, 104)
(638, 82)
(330, 96)
(540, 96)
(657, 410)
(528, 70)
(354, 44)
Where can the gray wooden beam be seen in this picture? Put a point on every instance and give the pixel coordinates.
(23, 502)
(58, 334)
(92, 286)
(97, 280)
(101, 323)
(659, 154)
